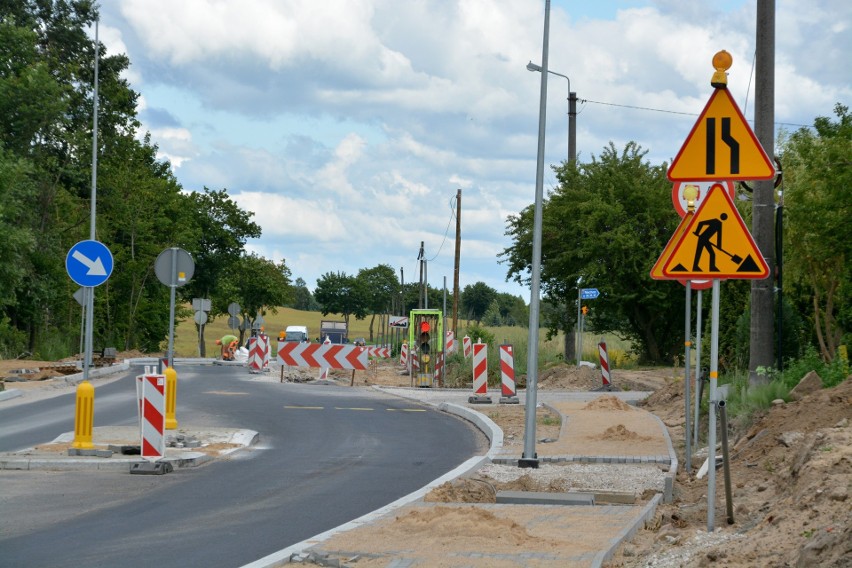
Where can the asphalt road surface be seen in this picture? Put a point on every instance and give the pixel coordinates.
(327, 454)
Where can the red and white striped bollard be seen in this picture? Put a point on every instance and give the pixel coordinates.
(507, 375)
(153, 424)
(480, 374)
(606, 377)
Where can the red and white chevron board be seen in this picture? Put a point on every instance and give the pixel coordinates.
(605, 376)
(403, 355)
(466, 346)
(258, 353)
(323, 355)
(153, 423)
(480, 369)
(507, 370)
(381, 352)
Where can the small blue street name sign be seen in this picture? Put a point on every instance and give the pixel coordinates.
(589, 293)
(89, 263)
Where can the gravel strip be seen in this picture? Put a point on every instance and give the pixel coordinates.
(585, 477)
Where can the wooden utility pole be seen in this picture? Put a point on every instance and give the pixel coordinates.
(456, 271)
(763, 201)
(421, 256)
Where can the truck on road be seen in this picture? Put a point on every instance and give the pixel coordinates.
(335, 331)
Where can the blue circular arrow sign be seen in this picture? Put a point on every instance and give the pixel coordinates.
(89, 263)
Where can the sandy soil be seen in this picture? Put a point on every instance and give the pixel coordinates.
(791, 472)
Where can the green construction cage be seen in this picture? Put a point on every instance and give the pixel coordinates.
(425, 334)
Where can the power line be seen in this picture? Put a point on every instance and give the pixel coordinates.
(676, 112)
(447, 230)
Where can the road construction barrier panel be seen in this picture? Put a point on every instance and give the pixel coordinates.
(480, 373)
(153, 439)
(413, 359)
(605, 373)
(507, 375)
(403, 354)
(379, 352)
(258, 360)
(439, 367)
(451, 343)
(466, 346)
(171, 399)
(84, 416)
(319, 355)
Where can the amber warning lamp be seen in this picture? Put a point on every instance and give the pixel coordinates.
(722, 61)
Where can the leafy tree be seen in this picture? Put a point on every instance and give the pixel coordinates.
(136, 193)
(475, 300)
(258, 285)
(817, 231)
(221, 230)
(303, 299)
(492, 316)
(339, 293)
(607, 222)
(513, 310)
(380, 285)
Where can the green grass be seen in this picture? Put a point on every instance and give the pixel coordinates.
(186, 336)
(549, 350)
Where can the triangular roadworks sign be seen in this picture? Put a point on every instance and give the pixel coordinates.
(721, 146)
(657, 270)
(716, 244)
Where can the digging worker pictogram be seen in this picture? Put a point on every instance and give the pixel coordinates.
(706, 231)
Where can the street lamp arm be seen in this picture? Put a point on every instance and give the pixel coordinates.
(533, 67)
(572, 112)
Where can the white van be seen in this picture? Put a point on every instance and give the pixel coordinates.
(296, 333)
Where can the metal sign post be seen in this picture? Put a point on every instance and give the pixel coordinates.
(174, 267)
(711, 438)
(686, 364)
(698, 331)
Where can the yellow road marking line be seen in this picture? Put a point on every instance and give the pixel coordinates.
(406, 410)
(351, 408)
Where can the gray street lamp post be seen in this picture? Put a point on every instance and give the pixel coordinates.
(572, 112)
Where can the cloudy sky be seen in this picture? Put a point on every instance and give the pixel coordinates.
(347, 126)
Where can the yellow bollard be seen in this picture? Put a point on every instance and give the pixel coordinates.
(171, 399)
(84, 416)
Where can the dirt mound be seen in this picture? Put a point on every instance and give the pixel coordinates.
(619, 432)
(791, 476)
(474, 523)
(569, 377)
(607, 402)
(527, 483)
(465, 490)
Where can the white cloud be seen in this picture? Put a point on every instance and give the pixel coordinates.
(348, 125)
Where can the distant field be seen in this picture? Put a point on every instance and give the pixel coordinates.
(186, 337)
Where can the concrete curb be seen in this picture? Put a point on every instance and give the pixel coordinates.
(9, 394)
(96, 372)
(488, 427)
(178, 458)
(626, 534)
(668, 492)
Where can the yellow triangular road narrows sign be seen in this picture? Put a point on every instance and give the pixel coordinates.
(716, 244)
(721, 146)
